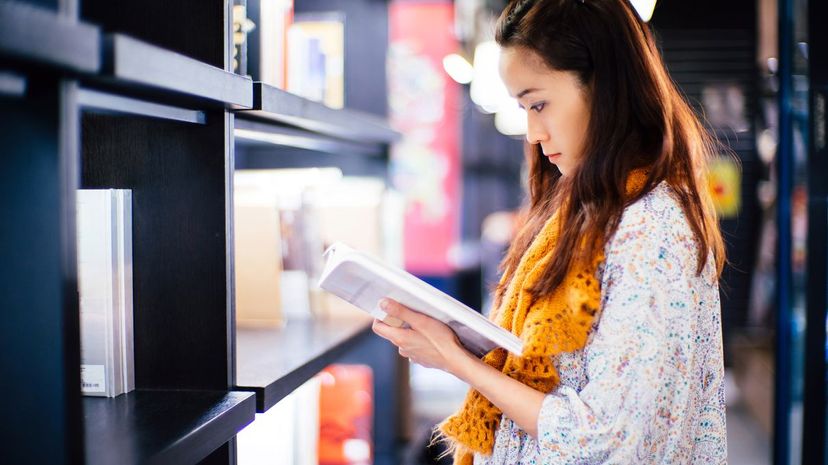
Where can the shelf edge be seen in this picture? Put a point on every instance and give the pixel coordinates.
(102, 101)
(29, 33)
(273, 104)
(276, 390)
(130, 61)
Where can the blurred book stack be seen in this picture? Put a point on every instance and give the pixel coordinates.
(302, 53)
(316, 58)
(284, 221)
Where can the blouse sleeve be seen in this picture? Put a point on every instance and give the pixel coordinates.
(635, 365)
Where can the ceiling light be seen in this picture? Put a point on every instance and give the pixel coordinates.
(644, 8)
(458, 68)
(487, 89)
(511, 121)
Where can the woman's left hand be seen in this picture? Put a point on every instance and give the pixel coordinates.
(427, 341)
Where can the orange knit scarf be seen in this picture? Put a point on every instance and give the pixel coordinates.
(557, 323)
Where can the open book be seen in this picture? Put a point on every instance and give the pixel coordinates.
(363, 281)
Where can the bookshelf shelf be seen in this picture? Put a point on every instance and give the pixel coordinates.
(257, 133)
(162, 427)
(273, 104)
(134, 63)
(274, 362)
(92, 100)
(32, 34)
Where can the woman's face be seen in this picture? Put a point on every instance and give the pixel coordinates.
(557, 106)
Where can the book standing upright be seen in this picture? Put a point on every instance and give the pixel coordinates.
(104, 221)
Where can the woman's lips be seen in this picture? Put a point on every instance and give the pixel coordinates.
(553, 156)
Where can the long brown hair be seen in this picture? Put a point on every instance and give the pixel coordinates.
(638, 120)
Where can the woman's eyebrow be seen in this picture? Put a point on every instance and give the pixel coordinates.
(522, 93)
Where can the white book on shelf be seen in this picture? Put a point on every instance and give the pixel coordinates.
(364, 280)
(104, 237)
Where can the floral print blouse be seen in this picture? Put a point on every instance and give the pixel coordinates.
(648, 387)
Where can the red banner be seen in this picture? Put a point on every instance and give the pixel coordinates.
(424, 101)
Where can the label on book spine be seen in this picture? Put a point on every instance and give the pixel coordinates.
(93, 378)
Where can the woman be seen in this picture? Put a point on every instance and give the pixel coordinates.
(612, 281)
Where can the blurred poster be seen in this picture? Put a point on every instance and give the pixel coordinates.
(425, 164)
(725, 180)
(725, 106)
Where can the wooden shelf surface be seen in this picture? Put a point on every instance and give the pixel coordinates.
(273, 104)
(131, 62)
(274, 362)
(162, 427)
(256, 133)
(37, 35)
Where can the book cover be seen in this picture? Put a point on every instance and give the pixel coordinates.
(104, 237)
(363, 280)
(274, 19)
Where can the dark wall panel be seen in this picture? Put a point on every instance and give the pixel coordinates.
(195, 28)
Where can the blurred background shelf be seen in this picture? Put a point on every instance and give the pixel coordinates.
(274, 362)
(273, 104)
(162, 427)
(250, 133)
(35, 35)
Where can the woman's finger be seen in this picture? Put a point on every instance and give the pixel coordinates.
(400, 311)
(395, 335)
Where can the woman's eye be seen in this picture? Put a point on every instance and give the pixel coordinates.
(537, 107)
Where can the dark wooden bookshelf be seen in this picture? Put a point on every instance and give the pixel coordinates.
(130, 62)
(274, 362)
(37, 35)
(162, 427)
(136, 95)
(273, 104)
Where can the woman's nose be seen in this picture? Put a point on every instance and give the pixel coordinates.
(535, 133)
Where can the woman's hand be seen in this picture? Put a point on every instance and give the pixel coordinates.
(427, 341)
(434, 345)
